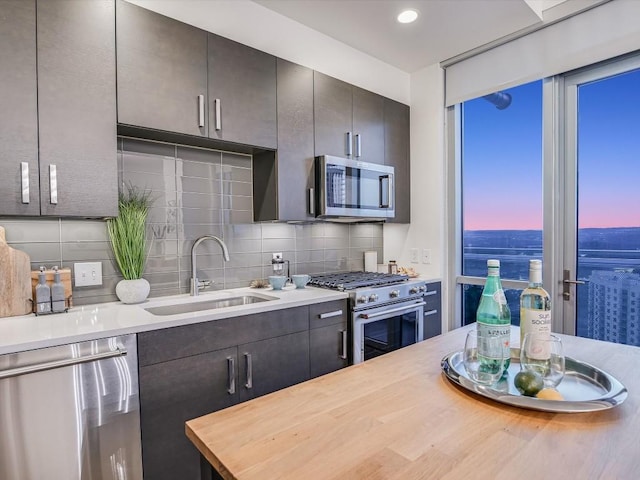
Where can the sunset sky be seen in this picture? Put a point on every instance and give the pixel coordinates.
(502, 152)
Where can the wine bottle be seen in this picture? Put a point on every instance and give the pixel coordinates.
(535, 305)
(493, 317)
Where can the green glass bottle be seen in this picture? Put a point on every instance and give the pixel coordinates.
(493, 317)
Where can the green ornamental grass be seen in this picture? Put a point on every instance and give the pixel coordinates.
(127, 232)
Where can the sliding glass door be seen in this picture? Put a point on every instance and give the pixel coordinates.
(601, 253)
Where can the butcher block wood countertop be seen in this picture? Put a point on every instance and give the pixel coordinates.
(398, 417)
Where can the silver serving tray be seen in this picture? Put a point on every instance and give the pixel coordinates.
(584, 387)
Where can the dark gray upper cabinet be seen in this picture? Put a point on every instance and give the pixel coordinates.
(162, 72)
(77, 108)
(333, 115)
(349, 121)
(18, 104)
(242, 93)
(60, 156)
(397, 143)
(282, 181)
(368, 126)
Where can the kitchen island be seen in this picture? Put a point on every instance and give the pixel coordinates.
(398, 417)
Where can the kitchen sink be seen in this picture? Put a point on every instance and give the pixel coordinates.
(212, 304)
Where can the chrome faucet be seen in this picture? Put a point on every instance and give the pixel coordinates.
(197, 285)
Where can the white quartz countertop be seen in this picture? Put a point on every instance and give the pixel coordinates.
(90, 322)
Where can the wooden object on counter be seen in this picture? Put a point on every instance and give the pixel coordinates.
(65, 278)
(15, 287)
(398, 417)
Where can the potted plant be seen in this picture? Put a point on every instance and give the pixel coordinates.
(128, 239)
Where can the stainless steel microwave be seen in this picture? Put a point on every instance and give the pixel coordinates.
(349, 188)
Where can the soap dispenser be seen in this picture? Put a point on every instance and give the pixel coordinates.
(58, 303)
(43, 294)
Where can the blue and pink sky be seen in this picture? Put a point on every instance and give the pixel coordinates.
(502, 152)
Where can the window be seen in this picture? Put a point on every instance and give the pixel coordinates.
(501, 189)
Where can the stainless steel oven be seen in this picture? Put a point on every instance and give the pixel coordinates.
(349, 188)
(386, 310)
(383, 329)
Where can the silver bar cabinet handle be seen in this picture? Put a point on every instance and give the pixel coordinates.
(358, 146)
(344, 344)
(231, 376)
(392, 310)
(216, 103)
(335, 313)
(249, 383)
(41, 367)
(24, 166)
(53, 184)
(201, 110)
(430, 312)
(348, 144)
(430, 292)
(312, 202)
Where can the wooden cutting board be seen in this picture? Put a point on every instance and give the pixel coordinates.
(15, 280)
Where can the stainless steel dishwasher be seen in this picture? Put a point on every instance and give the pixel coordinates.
(71, 412)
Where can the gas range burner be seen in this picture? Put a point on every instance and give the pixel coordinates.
(352, 280)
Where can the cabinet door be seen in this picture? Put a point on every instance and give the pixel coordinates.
(295, 141)
(396, 135)
(328, 343)
(77, 108)
(273, 364)
(333, 115)
(18, 120)
(368, 126)
(432, 310)
(172, 393)
(162, 71)
(242, 93)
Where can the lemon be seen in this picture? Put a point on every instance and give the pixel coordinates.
(528, 383)
(549, 394)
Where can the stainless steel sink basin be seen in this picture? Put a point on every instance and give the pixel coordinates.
(177, 308)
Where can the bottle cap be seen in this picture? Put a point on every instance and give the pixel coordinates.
(493, 263)
(535, 264)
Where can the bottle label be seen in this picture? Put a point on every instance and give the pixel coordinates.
(538, 322)
(499, 297)
(487, 330)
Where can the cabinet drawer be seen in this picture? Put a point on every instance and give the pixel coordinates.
(177, 342)
(328, 313)
(432, 297)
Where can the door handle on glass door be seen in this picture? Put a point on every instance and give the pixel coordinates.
(566, 285)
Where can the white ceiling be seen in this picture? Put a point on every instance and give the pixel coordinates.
(444, 28)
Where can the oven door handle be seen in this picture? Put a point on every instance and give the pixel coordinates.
(413, 306)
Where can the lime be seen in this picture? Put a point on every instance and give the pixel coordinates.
(549, 394)
(528, 383)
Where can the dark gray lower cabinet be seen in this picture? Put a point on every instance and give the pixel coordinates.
(432, 310)
(273, 364)
(170, 394)
(193, 370)
(327, 337)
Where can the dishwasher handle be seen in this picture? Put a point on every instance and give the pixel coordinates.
(41, 367)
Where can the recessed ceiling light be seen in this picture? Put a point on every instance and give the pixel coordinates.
(407, 16)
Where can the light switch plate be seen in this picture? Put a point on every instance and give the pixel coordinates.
(87, 274)
(426, 255)
(413, 253)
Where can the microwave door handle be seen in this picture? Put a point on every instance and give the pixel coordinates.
(381, 181)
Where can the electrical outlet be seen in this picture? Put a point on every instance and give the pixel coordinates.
(426, 255)
(413, 253)
(87, 274)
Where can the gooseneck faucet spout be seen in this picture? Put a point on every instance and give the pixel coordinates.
(197, 285)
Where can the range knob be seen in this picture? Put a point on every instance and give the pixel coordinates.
(413, 290)
(423, 288)
(362, 299)
(394, 293)
(373, 297)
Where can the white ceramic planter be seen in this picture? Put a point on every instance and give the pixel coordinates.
(132, 291)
